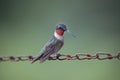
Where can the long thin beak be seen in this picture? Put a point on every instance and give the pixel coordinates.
(71, 33)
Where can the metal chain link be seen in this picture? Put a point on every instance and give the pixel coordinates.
(78, 56)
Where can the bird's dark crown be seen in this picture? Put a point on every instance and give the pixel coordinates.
(61, 26)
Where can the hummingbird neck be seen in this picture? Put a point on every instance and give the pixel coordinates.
(58, 35)
(60, 32)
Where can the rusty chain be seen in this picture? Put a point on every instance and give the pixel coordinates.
(98, 56)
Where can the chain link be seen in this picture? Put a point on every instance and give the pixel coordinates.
(78, 56)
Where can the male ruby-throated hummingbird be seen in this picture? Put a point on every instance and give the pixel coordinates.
(54, 44)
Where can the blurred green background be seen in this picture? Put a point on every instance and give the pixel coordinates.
(26, 25)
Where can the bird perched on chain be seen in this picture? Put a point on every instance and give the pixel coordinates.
(54, 44)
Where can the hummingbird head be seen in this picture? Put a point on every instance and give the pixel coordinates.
(60, 29)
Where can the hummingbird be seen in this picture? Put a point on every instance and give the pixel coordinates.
(53, 45)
